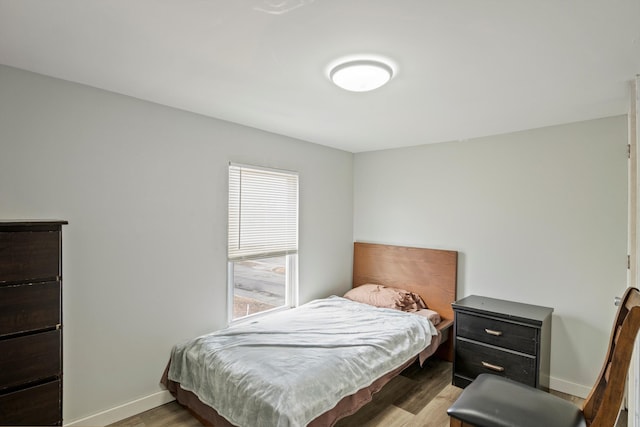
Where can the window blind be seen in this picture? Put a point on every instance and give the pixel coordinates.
(263, 213)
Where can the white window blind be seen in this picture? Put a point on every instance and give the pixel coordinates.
(263, 212)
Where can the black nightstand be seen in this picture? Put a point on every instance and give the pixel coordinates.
(503, 338)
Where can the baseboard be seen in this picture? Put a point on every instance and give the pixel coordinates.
(568, 387)
(121, 412)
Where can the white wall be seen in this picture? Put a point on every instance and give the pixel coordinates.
(144, 188)
(537, 216)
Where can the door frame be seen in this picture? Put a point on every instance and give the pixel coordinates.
(633, 390)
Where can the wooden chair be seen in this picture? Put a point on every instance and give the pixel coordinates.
(493, 401)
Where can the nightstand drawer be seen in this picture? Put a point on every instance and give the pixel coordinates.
(497, 332)
(474, 359)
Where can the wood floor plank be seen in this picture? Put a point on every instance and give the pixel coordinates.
(391, 416)
(170, 416)
(434, 413)
(429, 380)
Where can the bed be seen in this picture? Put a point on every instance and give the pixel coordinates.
(325, 359)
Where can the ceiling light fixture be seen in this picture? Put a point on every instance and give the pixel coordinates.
(361, 75)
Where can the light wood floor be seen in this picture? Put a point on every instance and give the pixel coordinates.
(417, 397)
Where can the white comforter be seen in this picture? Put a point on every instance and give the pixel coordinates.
(287, 368)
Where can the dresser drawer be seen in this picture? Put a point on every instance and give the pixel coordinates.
(29, 307)
(497, 332)
(473, 359)
(39, 405)
(29, 358)
(29, 255)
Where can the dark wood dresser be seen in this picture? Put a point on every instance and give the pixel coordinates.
(31, 322)
(503, 338)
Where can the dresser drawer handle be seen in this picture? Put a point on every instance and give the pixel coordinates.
(493, 332)
(493, 367)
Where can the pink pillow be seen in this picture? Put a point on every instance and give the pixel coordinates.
(386, 297)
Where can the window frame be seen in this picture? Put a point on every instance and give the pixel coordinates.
(291, 258)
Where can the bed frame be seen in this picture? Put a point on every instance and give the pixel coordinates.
(431, 273)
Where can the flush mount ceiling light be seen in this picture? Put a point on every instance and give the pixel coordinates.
(361, 75)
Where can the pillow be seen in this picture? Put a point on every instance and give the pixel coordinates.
(433, 316)
(386, 297)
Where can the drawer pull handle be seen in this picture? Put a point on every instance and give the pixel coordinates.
(493, 332)
(493, 367)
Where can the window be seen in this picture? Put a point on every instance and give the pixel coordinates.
(262, 240)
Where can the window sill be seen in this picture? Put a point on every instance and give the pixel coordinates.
(255, 316)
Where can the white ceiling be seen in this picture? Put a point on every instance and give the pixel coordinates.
(466, 68)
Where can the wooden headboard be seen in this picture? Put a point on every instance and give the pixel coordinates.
(431, 273)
